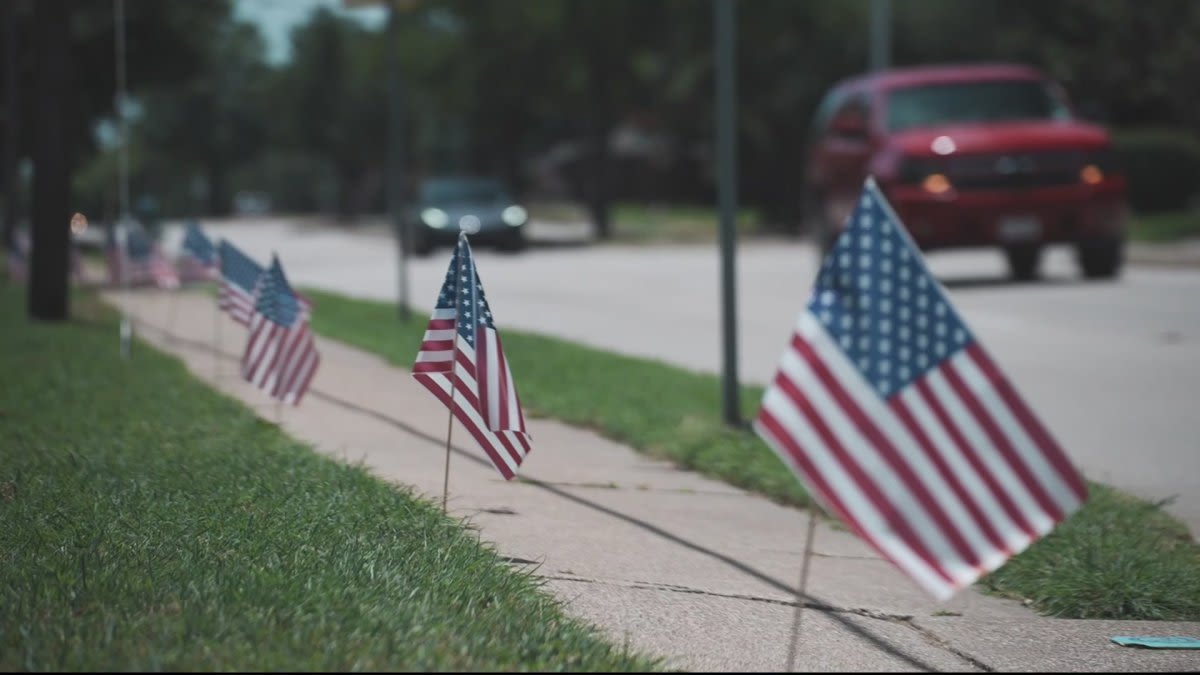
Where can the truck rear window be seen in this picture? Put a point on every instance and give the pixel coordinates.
(972, 102)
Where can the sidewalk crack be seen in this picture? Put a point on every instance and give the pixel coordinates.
(890, 617)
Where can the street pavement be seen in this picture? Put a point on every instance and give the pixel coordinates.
(1111, 367)
(666, 561)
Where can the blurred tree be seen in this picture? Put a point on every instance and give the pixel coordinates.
(210, 123)
(69, 68)
(334, 95)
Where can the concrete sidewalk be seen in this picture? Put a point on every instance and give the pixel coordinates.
(678, 565)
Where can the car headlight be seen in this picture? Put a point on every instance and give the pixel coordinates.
(435, 218)
(514, 215)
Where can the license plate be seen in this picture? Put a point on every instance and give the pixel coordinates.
(1020, 228)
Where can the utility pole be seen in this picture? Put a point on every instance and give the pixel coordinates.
(724, 19)
(881, 34)
(395, 162)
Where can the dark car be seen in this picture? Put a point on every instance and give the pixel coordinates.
(971, 156)
(481, 207)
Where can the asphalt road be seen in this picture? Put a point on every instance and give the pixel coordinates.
(1111, 366)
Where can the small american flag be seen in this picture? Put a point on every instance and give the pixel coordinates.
(280, 356)
(239, 275)
(894, 417)
(462, 363)
(136, 260)
(199, 259)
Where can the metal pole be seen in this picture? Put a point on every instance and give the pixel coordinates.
(881, 34)
(453, 388)
(395, 159)
(122, 175)
(724, 18)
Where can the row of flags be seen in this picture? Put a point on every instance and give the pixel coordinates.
(280, 356)
(885, 405)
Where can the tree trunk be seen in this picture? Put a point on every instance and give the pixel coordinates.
(50, 259)
(12, 114)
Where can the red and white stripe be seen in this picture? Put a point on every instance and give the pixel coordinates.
(280, 360)
(237, 302)
(192, 269)
(489, 410)
(947, 479)
(156, 270)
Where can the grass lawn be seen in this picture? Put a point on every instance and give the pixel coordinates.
(1165, 227)
(634, 222)
(150, 523)
(1118, 557)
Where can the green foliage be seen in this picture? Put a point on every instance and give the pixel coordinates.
(1165, 227)
(152, 524)
(1118, 557)
(1162, 166)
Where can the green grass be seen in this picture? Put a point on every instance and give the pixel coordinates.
(1165, 227)
(634, 222)
(149, 523)
(1118, 557)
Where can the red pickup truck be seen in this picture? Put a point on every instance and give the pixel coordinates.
(971, 156)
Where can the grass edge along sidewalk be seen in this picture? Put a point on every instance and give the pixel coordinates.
(151, 523)
(1119, 557)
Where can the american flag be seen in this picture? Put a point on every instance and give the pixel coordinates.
(239, 275)
(136, 260)
(199, 259)
(894, 417)
(280, 356)
(479, 390)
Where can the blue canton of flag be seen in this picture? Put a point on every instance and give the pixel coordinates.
(280, 356)
(462, 362)
(198, 245)
(274, 298)
(239, 275)
(891, 413)
(199, 259)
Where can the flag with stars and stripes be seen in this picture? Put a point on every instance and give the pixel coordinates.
(135, 259)
(239, 275)
(895, 418)
(199, 259)
(462, 363)
(280, 357)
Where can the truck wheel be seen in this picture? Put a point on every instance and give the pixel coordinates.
(1023, 261)
(1101, 259)
(514, 241)
(825, 217)
(422, 243)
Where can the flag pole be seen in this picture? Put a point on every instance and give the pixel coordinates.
(216, 344)
(808, 542)
(449, 431)
(453, 384)
(171, 309)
